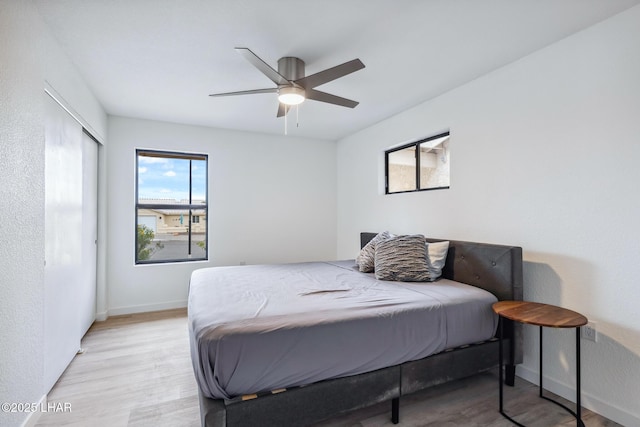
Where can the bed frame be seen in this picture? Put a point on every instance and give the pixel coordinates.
(496, 268)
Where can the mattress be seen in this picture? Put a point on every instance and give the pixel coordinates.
(266, 327)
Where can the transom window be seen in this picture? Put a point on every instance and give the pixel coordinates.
(418, 166)
(171, 207)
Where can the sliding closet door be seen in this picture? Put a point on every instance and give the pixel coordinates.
(87, 290)
(70, 273)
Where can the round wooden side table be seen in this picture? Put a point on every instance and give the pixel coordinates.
(541, 315)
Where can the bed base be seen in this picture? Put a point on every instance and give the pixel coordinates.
(327, 399)
(495, 268)
(305, 405)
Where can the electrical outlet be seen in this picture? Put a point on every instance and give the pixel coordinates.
(589, 332)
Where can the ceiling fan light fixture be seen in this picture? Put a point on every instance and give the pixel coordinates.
(291, 95)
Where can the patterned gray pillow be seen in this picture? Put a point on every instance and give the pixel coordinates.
(365, 259)
(402, 259)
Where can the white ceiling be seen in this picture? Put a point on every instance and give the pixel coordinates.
(159, 59)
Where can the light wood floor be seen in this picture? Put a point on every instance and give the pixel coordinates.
(136, 371)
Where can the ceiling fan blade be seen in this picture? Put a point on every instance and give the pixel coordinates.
(283, 110)
(330, 74)
(255, 60)
(247, 92)
(317, 95)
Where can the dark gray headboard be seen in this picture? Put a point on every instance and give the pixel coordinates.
(496, 268)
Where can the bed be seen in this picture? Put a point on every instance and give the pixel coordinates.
(268, 354)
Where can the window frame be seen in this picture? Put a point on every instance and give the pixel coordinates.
(190, 207)
(416, 145)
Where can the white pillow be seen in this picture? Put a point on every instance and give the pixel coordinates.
(436, 257)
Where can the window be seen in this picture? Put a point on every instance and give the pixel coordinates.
(171, 207)
(421, 165)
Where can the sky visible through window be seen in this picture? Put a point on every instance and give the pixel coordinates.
(167, 178)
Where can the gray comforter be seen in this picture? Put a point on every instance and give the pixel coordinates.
(266, 327)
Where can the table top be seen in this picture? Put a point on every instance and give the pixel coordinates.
(539, 314)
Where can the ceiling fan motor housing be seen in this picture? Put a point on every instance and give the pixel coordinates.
(291, 68)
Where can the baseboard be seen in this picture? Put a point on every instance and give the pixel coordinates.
(118, 311)
(590, 402)
(102, 316)
(34, 417)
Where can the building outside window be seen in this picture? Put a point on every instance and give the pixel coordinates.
(418, 166)
(171, 207)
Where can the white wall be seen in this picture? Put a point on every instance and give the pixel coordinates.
(545, 154)
(271, 199)
(28, 58)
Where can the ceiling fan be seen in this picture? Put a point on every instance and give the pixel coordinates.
(293, 87)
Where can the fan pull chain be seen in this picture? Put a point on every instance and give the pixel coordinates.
(285, 120)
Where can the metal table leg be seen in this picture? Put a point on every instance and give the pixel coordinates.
(500, 375)
(577, 414)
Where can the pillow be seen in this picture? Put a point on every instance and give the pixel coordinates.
(402, 258)
(365, 259)
(436, 257)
